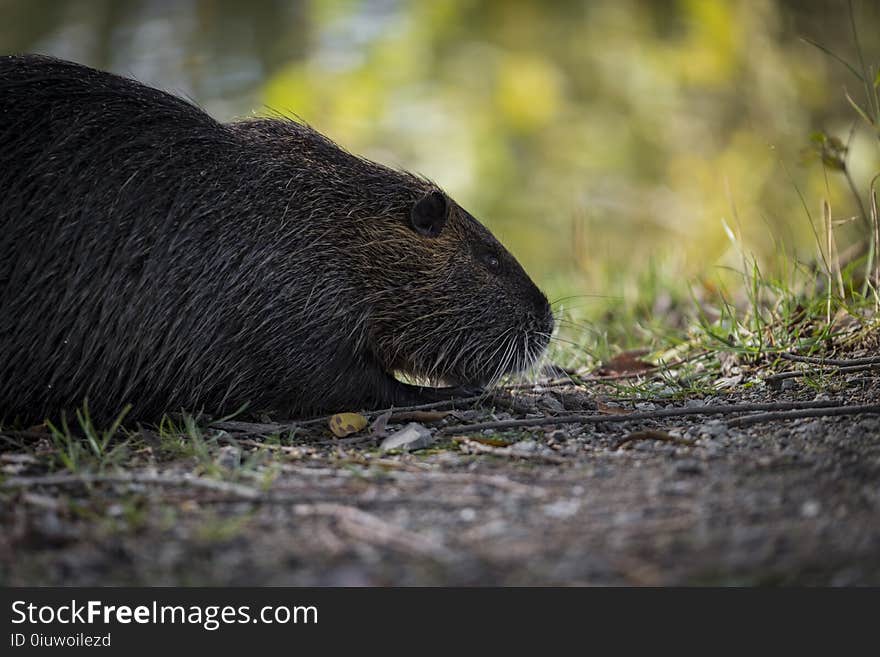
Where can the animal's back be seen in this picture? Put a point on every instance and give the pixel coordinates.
(111, 193)
(153, 256)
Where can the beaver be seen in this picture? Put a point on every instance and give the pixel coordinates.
(153, 256)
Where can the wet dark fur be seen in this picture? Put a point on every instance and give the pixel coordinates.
(151, 255)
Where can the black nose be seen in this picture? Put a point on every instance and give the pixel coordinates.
(542, 310)
(545, 307)
(548, 319)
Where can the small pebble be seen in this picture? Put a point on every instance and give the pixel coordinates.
(413, 436)
(468, 514)
(562, 508)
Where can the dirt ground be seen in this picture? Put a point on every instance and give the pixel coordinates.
(699, 501)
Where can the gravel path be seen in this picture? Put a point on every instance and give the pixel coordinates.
(694, 502)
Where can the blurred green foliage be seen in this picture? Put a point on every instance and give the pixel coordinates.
(604, 142)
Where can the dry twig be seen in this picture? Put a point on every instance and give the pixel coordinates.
(862, 409)
(775, 378)
(708, 409)
(840, 362)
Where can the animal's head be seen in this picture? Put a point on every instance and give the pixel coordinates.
(453, 304)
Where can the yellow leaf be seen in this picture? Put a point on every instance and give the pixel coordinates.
(344, 424)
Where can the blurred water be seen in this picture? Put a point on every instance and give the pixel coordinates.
(596, 139)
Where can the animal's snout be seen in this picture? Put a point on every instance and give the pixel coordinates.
(542, 313)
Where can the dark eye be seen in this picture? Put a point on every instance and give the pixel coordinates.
(491, 262)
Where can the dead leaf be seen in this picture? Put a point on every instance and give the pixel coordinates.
(625, 363)
(611, 410)
(345, 424)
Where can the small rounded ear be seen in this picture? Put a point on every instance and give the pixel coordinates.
(428, 215)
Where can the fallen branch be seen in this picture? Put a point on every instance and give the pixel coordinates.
(709, 409)
(841, 362)
(774, 378)
(863, 409)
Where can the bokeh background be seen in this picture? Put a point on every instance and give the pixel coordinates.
(604, 142)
